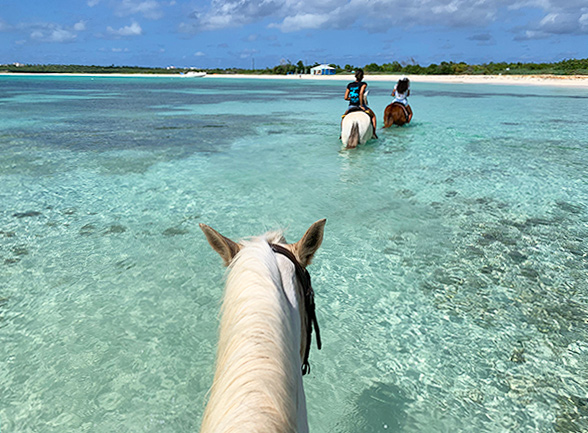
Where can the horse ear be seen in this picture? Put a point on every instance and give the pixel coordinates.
(310, 242)
(225, 247)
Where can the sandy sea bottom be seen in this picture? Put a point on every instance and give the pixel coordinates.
(451, 287)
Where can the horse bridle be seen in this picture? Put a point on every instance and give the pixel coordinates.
(304, 278)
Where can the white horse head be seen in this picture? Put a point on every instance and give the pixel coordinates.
(265, 329)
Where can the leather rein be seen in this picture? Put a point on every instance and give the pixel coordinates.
(309, 307)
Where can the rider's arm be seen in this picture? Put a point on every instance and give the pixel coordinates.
(346, 97)
(361, 96)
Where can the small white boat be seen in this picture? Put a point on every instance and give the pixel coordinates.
(194, 74)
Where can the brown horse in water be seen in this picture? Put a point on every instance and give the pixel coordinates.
(397, 114)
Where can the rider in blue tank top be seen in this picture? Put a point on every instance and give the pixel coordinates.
(355, 94)
(354, 89)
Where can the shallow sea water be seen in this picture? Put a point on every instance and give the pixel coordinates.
(451, 286)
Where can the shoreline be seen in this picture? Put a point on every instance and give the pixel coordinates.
(519, 80)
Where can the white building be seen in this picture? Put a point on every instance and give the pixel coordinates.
(322, 70)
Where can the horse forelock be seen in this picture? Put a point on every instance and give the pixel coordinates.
(272, 237)
(256, 256)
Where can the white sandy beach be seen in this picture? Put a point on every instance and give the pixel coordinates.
(531, 80)
(579, 81)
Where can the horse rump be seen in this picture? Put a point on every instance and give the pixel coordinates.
(395, 114)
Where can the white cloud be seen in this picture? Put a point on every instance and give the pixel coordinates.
(45, 31)
(233, 13)
(559, 23)
(449, 8)
(294, 15)
(199, 54)
(584, 22)
(56, 34)
(133, 30)
(51, 32)
(531, 35)
(560, 17)
(148, 8)
(93, 3)
(120, 50)
(302, 21)
(80, 26)
(380, 15)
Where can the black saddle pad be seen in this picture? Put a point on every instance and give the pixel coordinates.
(354, 109)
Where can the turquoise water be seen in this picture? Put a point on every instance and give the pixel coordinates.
(451, 287)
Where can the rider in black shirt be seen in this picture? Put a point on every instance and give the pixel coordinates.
(355, 94)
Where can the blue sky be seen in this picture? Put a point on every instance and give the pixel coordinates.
(242, 33)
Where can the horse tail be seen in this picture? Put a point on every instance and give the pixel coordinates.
(388, 117)
(353, 140)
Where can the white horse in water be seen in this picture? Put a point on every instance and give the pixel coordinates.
(356, 128)
(265, 332)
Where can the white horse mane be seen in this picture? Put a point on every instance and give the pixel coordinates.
(258, 384)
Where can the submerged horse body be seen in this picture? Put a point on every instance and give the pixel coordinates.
(267, 316)
(397, 114)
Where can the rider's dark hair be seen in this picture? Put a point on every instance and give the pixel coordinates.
(359, 75)
(402, 85)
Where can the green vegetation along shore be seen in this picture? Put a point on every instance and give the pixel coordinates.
(565, 67)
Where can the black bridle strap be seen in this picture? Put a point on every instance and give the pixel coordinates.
(304, 278)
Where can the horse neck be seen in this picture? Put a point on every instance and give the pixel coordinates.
(257, 380)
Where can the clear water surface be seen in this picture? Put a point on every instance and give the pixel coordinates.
(452, 285)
